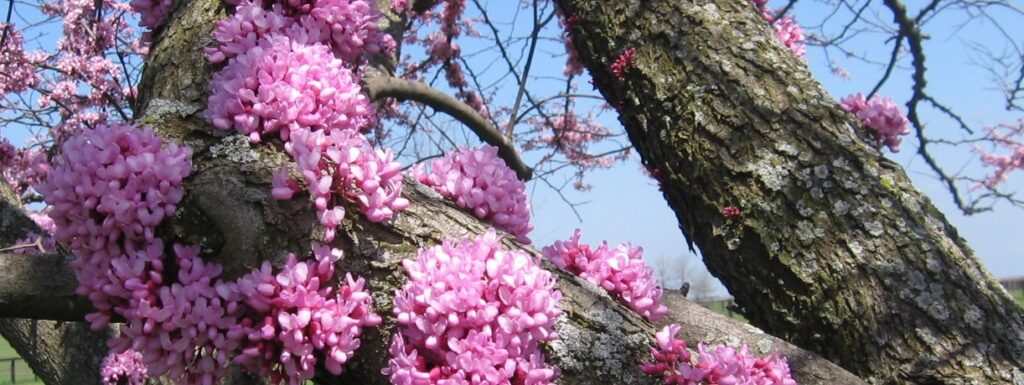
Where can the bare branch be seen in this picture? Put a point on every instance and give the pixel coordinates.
(390, 87)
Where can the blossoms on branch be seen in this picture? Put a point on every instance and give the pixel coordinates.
(473, 313)
(17, 67)
(125, 368)
(790, 34)
(881, 115)
(185, 327)
(110, 189)
(1009, 137)
(343, 164)
(282, 85)
(622, 63)
(297, 316)
(719, 365)
(348, 27)
(620, 270)
(478, 180)
(151, 12)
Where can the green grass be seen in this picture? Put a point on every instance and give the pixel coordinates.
(23, 375)
(1019, 296)
(721, 308)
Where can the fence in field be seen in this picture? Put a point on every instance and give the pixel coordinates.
(1013, 284)
(720, 305)
(19, 371)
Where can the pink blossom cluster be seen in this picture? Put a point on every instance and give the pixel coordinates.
(573, 64)
(112, 186)
(791, 35)
(125, 368)
(621, 271)
(721, 365)
(571, 135)
(297, 315)
(151, 12)
(17, 67)
(284, 85)
(290, 72)
(478, 180)
(622, 63)
(400, 6)
(344, 164)
(348, 27)
(473, 313)
(1009, 137)
(28, 167)
(183, 324)
(881, 115)
(87, 82)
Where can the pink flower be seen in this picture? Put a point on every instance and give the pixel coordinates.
(791, 35)
(881, 115)
(721, 365)
(184, 326)
(1008, 137)
(110, 189)
(152, 12)
(19, 72)
(296, 317)
(621, 271)
(478, 180)
(347, 27)
(473, 312)
(344, 164)
(123, 368)
(282, 85)
(731, 212)
(622, 63)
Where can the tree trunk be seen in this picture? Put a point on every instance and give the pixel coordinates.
(835, 250)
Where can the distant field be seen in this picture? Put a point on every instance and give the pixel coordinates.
(23, 375)
(1019, 295)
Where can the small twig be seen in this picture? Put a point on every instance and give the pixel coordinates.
(379, 87)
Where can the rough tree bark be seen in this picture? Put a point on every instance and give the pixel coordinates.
(835, 250)
(228, 211)
(58, 352)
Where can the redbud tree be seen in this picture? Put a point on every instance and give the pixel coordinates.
(237, 211)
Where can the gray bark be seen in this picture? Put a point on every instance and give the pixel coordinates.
(835, 250)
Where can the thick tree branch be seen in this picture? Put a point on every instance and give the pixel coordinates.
(390, 87)
(39, 286)
(835, 250)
